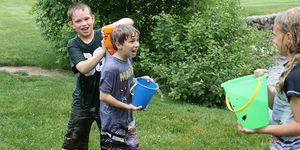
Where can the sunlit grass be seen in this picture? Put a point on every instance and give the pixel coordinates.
(20, 39)
(263, 7)
(34, 112)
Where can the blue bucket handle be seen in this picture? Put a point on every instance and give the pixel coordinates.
(131, 89)
(135, 83)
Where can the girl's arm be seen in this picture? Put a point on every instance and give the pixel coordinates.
(271, 95)
(289, 129)
(271, 89)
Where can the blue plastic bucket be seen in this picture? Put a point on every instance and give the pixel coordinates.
(143, 91)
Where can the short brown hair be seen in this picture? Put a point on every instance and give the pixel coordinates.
(121, 33)
(77, 6)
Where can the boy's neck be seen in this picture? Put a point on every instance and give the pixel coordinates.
(87, 39)
(120, 56)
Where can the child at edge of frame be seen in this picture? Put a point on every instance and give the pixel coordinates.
(284, 98)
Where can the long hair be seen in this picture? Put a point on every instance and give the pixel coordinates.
(289, 22)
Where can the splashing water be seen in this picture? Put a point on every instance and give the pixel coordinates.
(161, 94)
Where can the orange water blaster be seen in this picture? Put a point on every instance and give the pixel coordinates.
(108, 29)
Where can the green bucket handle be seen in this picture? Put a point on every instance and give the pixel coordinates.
(255, 93)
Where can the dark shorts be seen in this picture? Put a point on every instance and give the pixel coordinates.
(124, 139)
(79, 126)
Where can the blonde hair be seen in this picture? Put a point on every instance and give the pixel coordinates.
(77, 6)
(289, 22)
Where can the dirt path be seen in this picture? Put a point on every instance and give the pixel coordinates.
(274, 72)
(33, 70)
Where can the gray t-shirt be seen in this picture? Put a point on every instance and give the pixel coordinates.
(116, 80)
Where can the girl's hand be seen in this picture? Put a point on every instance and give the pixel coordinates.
(260, 72)
(132, 107)
(244, 130)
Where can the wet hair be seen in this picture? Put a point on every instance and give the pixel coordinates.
(77, 6)
(289, 22)
(121, 33)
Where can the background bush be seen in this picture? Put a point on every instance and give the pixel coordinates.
(190, 47)
(51, 16)
(191, 58)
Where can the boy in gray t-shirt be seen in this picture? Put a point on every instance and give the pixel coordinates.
(116, 112)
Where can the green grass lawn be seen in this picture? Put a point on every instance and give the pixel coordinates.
(20, 39)
(262, 7)
(34, 113)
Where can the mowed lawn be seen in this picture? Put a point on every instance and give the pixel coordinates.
(20, 39)
(263, 7)
(34, 112)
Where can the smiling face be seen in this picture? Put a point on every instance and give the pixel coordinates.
(129, 48)
(83, 23)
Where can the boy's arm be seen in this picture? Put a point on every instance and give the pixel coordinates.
(123, 21)
(107, 98)
(87, 65)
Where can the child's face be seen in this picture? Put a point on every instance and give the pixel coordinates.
(130, 47)
(280, 40)
(82, 22)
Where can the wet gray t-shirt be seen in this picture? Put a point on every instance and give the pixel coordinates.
(116, 80)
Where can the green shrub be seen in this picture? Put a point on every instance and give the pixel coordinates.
(51, 16)
(191, 58)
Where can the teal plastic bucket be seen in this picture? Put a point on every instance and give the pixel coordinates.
(143, 91)
(248, 97)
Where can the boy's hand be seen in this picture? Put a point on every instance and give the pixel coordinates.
(148, 78)
(132, 107)
(103, 45)
(260, 72)
(102, 33)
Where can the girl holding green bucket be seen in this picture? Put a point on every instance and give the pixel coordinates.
(285, 122)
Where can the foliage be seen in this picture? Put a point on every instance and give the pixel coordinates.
(191, 58)
(52, 18)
